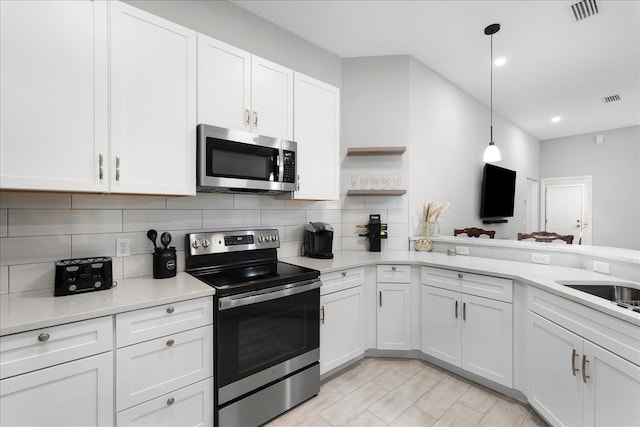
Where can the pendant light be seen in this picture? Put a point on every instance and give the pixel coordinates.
(491, 153)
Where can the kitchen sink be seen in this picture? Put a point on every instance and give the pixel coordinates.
(617, 292)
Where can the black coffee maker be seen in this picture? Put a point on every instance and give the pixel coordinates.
(318, 240)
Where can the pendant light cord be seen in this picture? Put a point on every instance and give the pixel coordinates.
(491, 91)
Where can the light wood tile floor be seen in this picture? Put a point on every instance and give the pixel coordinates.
(406, 393)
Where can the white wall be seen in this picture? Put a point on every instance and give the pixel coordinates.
(615, 170)
(449, 132)
(234, 25)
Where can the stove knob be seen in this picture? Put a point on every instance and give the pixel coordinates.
(260, 239)
(195, 244)
(273, 238)
(205, 243)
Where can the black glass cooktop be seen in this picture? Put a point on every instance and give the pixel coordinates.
(235, 280)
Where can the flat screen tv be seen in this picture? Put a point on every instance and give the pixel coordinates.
(498, 191)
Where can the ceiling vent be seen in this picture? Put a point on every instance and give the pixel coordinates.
(612, 98)
(584, 9)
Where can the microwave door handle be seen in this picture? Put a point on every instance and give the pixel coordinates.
(280, 165)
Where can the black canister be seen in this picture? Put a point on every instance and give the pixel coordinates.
(164, 263)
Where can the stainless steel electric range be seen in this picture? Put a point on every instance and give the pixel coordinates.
(266, 324)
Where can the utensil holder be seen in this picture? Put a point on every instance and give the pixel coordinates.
(164, 263)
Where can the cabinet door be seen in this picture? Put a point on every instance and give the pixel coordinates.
(53, 96)
(78, 393)
(394, 316)
(487, 338)
(341, 327)
(317, 132)
(556, 381)
(153, 104)
(271, 99)
(441, 329)
(189, 406)
(224, 84)
(612, 389)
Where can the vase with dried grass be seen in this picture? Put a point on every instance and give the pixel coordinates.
(430, 222)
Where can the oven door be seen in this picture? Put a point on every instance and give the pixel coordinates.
(266, 335)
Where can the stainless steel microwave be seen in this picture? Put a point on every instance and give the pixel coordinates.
(234, 161)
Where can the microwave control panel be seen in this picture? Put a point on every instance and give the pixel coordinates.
(289, 174)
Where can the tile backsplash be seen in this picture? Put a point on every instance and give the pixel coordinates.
(37, 229)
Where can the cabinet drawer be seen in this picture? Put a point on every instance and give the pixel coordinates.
(469, 283)
(37, 349)
(393, 273)
(152, 368)
(189, 406)
(142, 325)
(341, 280)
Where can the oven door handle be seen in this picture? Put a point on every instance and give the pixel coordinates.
(234, 301)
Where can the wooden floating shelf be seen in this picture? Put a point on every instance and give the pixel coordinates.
(376, 192)
(376, 151)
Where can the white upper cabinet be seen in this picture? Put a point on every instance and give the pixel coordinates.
(53, 96)
(271, 98)
(224, 84)
(317, 132)
(241, 91)
(153, 104)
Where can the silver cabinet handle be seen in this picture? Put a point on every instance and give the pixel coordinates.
(100, 166)
(344, 274)
(464, 311)
(117, 168)
(43, 337)
(574, 356)
(247, 116)
(456, 309)
(584, 369)
(460, 276)
(322, 314)
(170, 401)
(170, 343)
(170, 310)
(380, 298)
(255, 118)
(393, 268)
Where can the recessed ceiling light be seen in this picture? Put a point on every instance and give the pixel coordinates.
(500, 61)
(556, 119)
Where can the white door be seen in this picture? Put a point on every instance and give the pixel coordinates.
(555, 374)
(567, 209)
(53, 96)
(341, 327)
(153, 104)
(441, 328)
(394, 316)
(612, 389)
(271, 99)
(531, 205)
(487, 338)
(224, 85)
(78, 393)
(317, 132)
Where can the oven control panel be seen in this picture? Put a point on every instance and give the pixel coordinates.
(230, 241)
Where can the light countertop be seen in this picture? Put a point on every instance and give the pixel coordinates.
(541, 276)
(24, 311)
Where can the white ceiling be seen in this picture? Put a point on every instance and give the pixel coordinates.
(555, 65)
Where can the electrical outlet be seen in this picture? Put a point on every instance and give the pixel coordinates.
(123, 248)
(540, 258)
(462, 250)
(601, 267)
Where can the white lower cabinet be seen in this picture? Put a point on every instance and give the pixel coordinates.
(341, 327)
(189, 406)
(393, 307)
(78, 393)
(576, 382)
(468, 331)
